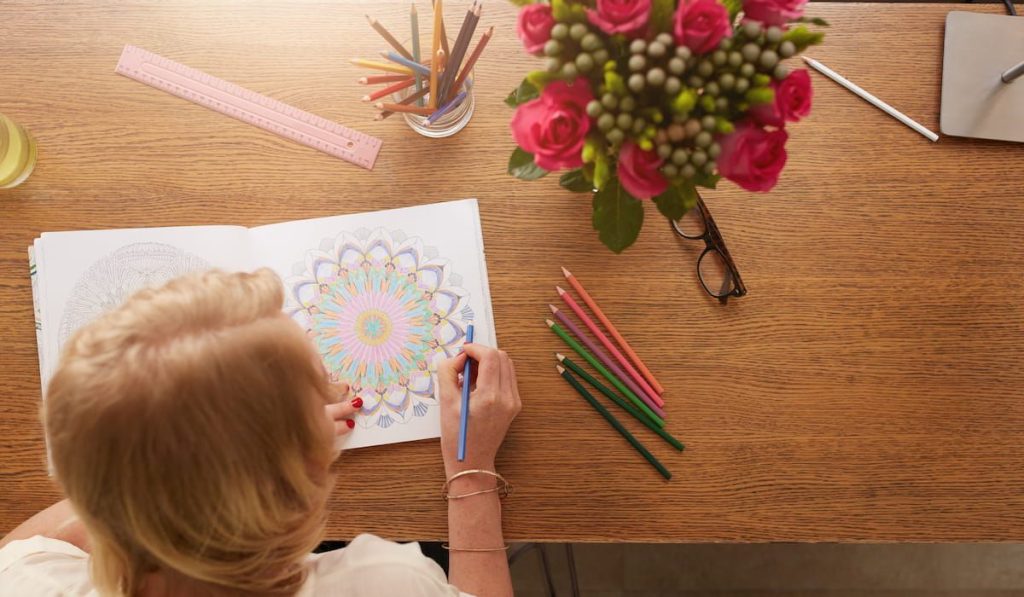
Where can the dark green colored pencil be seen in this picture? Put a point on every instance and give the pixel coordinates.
(614, 422)
(626, 406)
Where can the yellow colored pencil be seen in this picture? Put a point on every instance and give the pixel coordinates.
(435, 47)
(383, 66)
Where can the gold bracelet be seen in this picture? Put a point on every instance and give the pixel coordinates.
(450, 548)
(503, 491)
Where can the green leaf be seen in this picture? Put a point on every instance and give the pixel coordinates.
(618, 216)
(661, 15)
(602, 168)
(734, 7)
(522, 167)
(540, 78)
(802, 37)
(820, 22)
(676, 201)
(576, 181)
(708, 181)
(565, 11)
(521, 2)
(522, 94)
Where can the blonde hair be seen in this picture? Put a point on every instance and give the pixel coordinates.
(186, 430)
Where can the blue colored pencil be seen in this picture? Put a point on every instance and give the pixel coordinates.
(464, 414)
(458, 99)
(398, 59)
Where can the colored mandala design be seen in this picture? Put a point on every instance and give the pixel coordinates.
(382, 312)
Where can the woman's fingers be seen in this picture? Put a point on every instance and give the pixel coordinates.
(506, 372)
(488, 364)
(343, 410)
(344, 426)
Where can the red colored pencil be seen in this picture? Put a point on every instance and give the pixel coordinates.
(611, 329)
(377, 79)
(386, 91)
(608, 344)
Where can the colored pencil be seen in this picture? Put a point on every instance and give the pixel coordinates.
(614, 422)
(459, 50)
(414, 18)
(440, 26)
(390, 89)
(611, 329)
(624, 404)
(640, 404)
(413, 97)
(609, 346)
(605, 360)
(435, 49)
(392, 107)
(454, 103)
(471, 61)
(388, 37)
(464, 413)
(384, 66)
(379, 79)
(416, 67)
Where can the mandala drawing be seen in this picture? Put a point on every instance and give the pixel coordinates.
(114, 278)
(383, 311)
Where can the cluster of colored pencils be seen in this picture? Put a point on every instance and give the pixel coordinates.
(638, 392)
(438, 78)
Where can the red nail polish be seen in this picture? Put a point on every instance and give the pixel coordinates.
(350, 423)
(357, 403)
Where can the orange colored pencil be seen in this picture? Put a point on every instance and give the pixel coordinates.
(386, 91)
(404, 108)
(439, 10)
(408, 100)
(394, 43)
(611, 329)
(377, 79)
(609, 346)
(479, 49)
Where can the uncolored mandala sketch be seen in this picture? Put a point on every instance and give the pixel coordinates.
(383, 311)
(114, 278)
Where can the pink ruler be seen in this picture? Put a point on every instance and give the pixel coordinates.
(248, 106)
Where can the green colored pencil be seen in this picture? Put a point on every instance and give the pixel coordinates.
(626, 406)
(414, 17)
(557, 329)
(614, 422)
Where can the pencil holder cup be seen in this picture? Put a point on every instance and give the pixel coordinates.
(447, 124)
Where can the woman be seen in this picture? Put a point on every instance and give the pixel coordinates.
(192, 431)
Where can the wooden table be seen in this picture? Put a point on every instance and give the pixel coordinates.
(867, 389)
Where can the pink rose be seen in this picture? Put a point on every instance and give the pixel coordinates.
(792, 101)
(701, 24)
(628, 17)
(773, 12)
(753, 157)
(553, 126)
(638, 172)
(534, 27)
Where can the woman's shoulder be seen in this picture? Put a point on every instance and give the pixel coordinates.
(44, 566)
(370, 565)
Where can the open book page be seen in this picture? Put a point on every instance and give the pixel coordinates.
(81, 275)
(385, 296)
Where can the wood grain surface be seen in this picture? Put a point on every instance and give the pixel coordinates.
(867, 389)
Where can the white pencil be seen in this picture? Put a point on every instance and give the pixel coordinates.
(831, 74)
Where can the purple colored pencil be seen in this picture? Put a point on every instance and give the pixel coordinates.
(606, 360)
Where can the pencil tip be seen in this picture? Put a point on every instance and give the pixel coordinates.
(560, 368)
(549, 322)
(559, 356)
(379, 105)
(366, 98)
(560, 290)
(553, 308)
(566, 273)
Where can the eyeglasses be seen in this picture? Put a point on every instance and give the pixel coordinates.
(715, 268)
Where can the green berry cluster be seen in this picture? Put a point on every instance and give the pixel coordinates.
(574, 50)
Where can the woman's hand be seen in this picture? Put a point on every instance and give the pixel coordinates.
(493, 403)
(343, 410)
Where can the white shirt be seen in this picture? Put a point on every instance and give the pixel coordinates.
(368, 567)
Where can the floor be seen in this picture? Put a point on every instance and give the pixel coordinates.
(779, 570)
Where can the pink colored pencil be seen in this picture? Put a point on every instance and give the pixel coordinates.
(611, 329)
(390, 89)
(596, 331)
(606, 360)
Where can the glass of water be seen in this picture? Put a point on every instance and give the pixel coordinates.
(17, 153)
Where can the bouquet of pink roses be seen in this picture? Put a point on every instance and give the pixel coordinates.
(650, 99)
